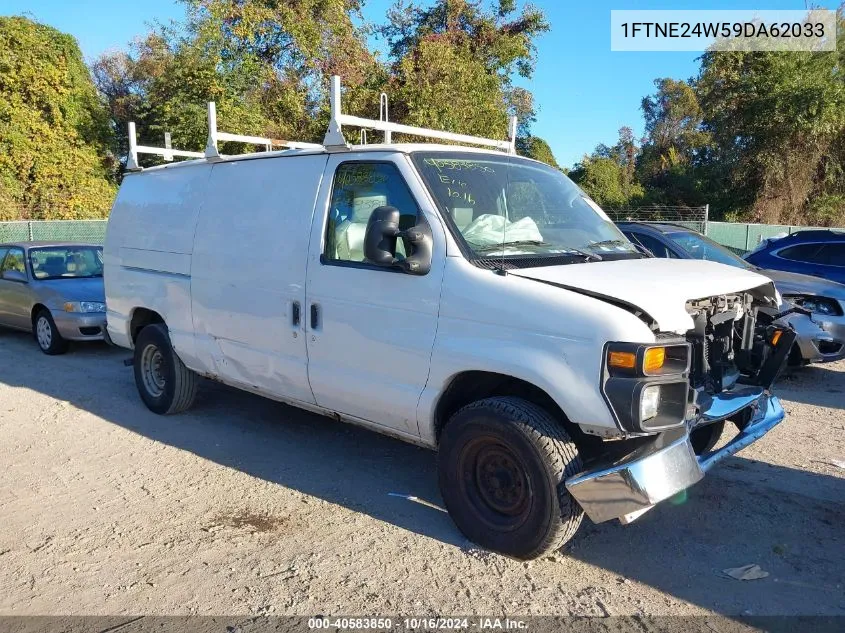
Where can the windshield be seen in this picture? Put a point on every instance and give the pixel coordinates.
(509, 207)
(700, 247)
(66, 262)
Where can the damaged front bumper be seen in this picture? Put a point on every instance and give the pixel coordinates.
(667, 465)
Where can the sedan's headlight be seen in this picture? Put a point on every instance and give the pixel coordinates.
(85, 306)
(817, 305)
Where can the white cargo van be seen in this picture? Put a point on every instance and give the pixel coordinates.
(463, 299)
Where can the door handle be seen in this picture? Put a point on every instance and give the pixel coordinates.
(315, 316)
(296, 314)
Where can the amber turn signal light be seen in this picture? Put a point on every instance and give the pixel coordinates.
(776, 337)
(655, 358)
(622, 360)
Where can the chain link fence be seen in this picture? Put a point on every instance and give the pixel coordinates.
(91, 231)
(695, 218)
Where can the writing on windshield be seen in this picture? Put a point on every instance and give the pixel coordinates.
(520, 206)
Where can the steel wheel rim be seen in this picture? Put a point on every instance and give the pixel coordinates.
(152, 371)
(496, 483)
(43, 332)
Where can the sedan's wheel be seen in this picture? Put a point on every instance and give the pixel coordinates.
(164, 383)
(47, 335)
(502, 466)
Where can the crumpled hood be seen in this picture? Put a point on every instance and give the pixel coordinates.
(659, 287)
(82, 289)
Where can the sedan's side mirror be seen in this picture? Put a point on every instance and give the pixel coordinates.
(14, 275)
(380, 242)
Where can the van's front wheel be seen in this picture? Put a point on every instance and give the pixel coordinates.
(502, 465)
(164, 383)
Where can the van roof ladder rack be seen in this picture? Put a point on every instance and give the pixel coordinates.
(214, 136)
(167, 151)
(335, 140)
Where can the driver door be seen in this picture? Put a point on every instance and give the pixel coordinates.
(370, 330)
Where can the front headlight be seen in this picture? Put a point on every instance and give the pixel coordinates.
(85, 306)
(649, 402)
(817, 305)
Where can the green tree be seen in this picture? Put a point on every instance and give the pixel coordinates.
(536, 148)
(609, 176)
(672, 165)
(775, 119)
(452, 64)
(54, 161)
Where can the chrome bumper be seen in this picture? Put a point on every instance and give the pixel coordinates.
(667, 466)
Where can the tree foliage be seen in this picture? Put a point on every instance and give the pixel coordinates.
(608, 174)
(266, 64)
(536, 148)
(54, 135)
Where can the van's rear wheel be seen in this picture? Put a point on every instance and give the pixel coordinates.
(164, 383)
(502, 465)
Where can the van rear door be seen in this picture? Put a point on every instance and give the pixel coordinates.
(370, 329)
(248, 272)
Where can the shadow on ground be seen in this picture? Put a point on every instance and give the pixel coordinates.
(788, 521)
(795, 386)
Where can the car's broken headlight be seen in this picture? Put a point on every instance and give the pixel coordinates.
(816, 305)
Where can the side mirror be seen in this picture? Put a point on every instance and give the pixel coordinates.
(380, 242)
(14, 275)
(380, 236)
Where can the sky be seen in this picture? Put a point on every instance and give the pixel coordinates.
(584, 92)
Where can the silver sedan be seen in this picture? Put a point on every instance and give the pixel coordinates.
(54, 290)
(822, 337)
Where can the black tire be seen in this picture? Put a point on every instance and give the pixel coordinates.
(47, 335)
(704, 438)
(502, 464)
(169, 386)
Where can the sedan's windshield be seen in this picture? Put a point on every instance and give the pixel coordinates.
(511, 207)
(700, 247)
(66, 262)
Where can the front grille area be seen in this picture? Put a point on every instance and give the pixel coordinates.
(90, 331)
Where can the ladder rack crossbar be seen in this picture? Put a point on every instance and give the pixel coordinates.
(268, 142)
(399, 128)
(163, 151)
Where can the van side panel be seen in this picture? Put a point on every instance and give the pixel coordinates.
(248, 270)
(148, 248)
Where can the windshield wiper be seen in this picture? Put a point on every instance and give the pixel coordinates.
(501, 245)
(590, 257)
(565, 250)
(608, 243)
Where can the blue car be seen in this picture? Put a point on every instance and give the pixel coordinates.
(814, 252)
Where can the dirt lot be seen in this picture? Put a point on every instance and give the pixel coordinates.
(246, 506)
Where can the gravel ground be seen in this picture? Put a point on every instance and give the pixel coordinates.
(245, 506)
